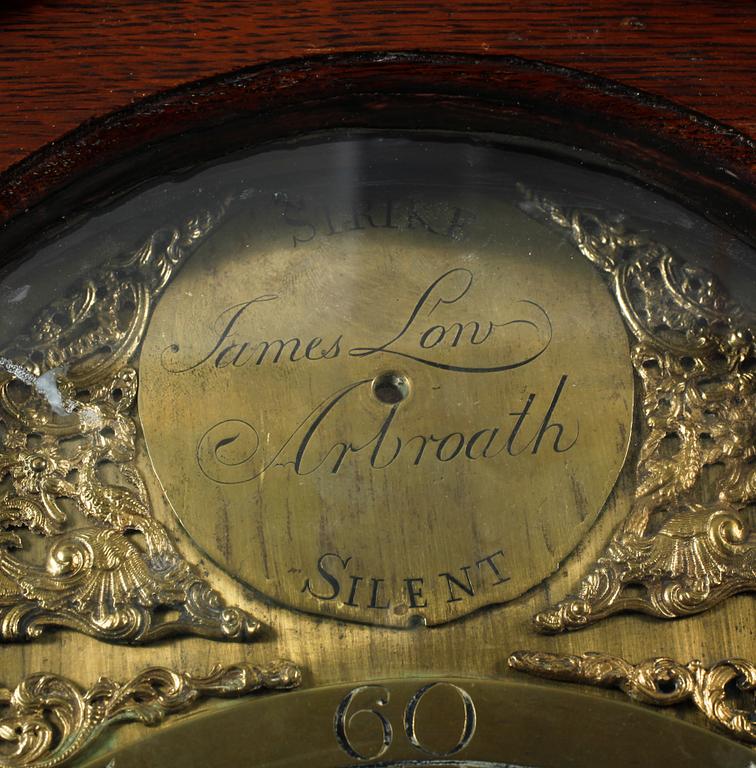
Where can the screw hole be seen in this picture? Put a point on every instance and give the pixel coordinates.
(391, 387)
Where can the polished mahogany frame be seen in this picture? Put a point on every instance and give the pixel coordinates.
(699, 163)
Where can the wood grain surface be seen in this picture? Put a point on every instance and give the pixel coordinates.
(64, 62)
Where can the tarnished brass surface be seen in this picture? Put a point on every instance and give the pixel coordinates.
(285, 465)
(661, 682)
(432, 723)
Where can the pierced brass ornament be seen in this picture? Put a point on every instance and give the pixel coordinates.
(687, 543)
(68, 472)
(661, 681)
(49, 720)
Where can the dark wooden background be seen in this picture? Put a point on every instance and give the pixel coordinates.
(62, 62)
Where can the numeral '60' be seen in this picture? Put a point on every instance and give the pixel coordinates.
(345, 716)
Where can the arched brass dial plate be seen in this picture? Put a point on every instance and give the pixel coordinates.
(363, 397)
(386, 404)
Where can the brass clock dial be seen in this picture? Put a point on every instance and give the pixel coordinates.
(363, 398)
(401, 409)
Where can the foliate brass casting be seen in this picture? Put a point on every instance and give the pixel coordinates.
(49, 720)
(661, 682)
(68, 473)
(687, 542)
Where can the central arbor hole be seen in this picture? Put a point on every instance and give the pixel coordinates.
(391, 387)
